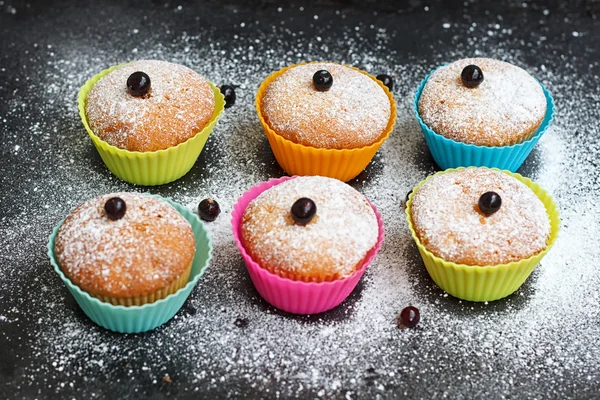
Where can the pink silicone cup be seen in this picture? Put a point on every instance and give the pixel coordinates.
(297, 297)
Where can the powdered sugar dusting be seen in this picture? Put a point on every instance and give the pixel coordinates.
(354, 112)
(138, 254)
(332, 245)
(449, 223)
(541, 342)
(179, 104)
(506, 108)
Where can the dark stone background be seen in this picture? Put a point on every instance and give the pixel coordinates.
(93, 34)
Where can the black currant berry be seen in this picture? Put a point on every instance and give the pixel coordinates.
(471, 76)
(386, 80)
(209, 209)
(322, 80)
(409, 317)
(138, 84)
(115, 208)
(229, 94)
(304, 210)
(490, 202)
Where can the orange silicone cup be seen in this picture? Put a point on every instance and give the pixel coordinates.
(297, 159)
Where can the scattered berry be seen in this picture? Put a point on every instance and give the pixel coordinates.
(409, 317)
(229, 94)
(371, 375)
(304, 210)
(209, 209)
(405, 202)
(471, 76)
(386, 80)
(190, 309)
(490, 202)
(241, 322)
(322, 80)
(138, 84)
(115, 208)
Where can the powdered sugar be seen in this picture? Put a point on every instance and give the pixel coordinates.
(331, 246)
(449, 223)
(504, 109)
(354, 112)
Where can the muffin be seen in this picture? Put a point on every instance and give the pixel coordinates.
(482, 112)
(126, 248)
(342, 229)
(149, 119)
(174, 105)
(306, 241)
(325, 118)
(480, 229)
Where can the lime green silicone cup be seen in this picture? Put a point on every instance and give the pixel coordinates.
(135, 319)
(490, 282)
(150, 168)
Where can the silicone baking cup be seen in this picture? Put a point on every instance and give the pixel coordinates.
(150, 168)
(134, 319)
(289, 295)
(448, 153)
(297, 159)
(490, 282)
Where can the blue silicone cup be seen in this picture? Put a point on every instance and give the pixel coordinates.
(448, 153)
(135, 319)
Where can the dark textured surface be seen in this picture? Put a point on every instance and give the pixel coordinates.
(541, 342)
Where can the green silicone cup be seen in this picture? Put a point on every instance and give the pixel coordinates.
(135, 319)
(149, 168)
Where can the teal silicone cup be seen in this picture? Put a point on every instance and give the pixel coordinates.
(135, 319)
(448, 153)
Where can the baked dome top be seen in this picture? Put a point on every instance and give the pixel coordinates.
(353, 113)
(138, 254)
(505, 109)
(179, 105)
(449, 223)
(329, 247)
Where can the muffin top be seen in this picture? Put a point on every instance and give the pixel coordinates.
(331, 246)
(138, 254)
(448, 221)
(505, 109)
(353, 113)
(179, 105)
